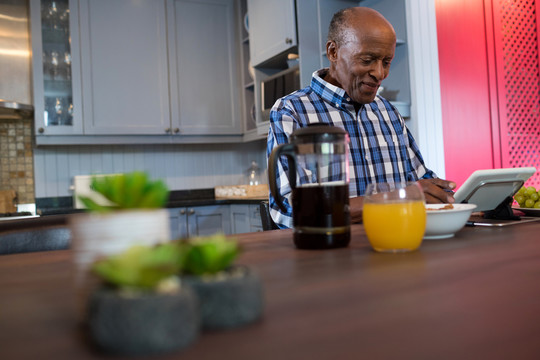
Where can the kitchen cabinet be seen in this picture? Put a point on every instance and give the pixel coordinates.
(245, 218)
(144, 71)
(203, 73)
(272, 37)
(246, 74)
(55, 67)
(274, 28)
(124, 67)
(83, 59)
(199, 221)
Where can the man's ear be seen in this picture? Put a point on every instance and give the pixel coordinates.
(331, 50)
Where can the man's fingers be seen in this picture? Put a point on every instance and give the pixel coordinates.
(438, 190)
(445, 184)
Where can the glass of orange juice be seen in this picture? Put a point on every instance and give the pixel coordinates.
(394, 216)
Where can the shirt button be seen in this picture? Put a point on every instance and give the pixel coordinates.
(348, 99)
(337, 105)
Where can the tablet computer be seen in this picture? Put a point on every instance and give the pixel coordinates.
(489, 188)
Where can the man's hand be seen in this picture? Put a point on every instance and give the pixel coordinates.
(438, 190)
(356, 205)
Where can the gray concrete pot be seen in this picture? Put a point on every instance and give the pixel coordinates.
(145, 323)
(228, 300)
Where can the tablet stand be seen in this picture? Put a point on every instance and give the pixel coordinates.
(504, 210)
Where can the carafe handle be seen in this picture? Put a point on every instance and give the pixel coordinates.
(287, 150)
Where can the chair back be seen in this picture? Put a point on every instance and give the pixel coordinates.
(266, 219)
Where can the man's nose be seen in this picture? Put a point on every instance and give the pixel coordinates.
(378, 70)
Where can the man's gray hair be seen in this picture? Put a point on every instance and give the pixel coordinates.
(337, 26)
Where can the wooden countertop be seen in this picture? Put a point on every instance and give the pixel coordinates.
(475, 296)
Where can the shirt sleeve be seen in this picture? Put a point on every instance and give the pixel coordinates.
(282, 125)
(417, 162)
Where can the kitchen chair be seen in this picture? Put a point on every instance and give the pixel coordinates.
(266, 219)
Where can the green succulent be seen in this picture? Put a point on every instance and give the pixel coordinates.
(141, 267)
(209, 255)
(144, 267)
(127, 191)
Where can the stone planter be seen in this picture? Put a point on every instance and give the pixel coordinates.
(228, 300)
(97, 235)
(143, 323)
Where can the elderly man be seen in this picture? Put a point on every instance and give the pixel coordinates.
(360, 47)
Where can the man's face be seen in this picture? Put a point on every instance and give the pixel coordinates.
(362, 62)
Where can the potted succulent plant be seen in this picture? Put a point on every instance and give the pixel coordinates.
(229, 295)
(133, 214)
(141, 307)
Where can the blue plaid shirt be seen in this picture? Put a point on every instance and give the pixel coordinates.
(381, 147)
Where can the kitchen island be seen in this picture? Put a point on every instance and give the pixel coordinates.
(474, 296)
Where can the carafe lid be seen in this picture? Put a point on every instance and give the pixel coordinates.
(319, 133)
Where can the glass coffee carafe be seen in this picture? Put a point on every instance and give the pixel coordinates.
(318, 158)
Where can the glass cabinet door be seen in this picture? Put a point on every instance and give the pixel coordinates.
(54, 89)
(56, 63)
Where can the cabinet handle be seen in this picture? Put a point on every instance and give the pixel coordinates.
(182, 212)
(168, 130)
(176, 130)
(41, 130)
(191, 212)
(288, 41)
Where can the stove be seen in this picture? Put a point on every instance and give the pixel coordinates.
(24, 211)
(17, 215)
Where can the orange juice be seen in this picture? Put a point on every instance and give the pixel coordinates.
(395, 226)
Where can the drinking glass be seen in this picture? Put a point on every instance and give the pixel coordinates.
(59, 111)
(394, 216)
(54, 64)
(52, 15)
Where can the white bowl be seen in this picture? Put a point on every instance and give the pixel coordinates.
(444, 223)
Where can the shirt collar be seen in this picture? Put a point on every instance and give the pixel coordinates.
(330, 93)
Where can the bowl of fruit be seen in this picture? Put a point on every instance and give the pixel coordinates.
(528, 200)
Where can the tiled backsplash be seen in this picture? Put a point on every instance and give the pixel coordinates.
(16, 162)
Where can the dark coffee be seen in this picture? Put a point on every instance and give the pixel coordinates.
(321, 216)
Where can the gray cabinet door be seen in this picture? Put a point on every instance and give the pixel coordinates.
(203, 58)
(199, 221)
(240, 218)
(178, 223)
(208, 220)
(255, 218)
(56, 74)
(272, 28)
(245, 218)
(124, 66)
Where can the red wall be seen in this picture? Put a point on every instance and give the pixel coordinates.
(465, 87)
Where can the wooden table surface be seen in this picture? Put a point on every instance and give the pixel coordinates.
(475, 296)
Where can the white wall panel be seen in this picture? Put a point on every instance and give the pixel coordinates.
(63, 171)
(425, 82)
(39, 168)
(182, 167)
(50, 180)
